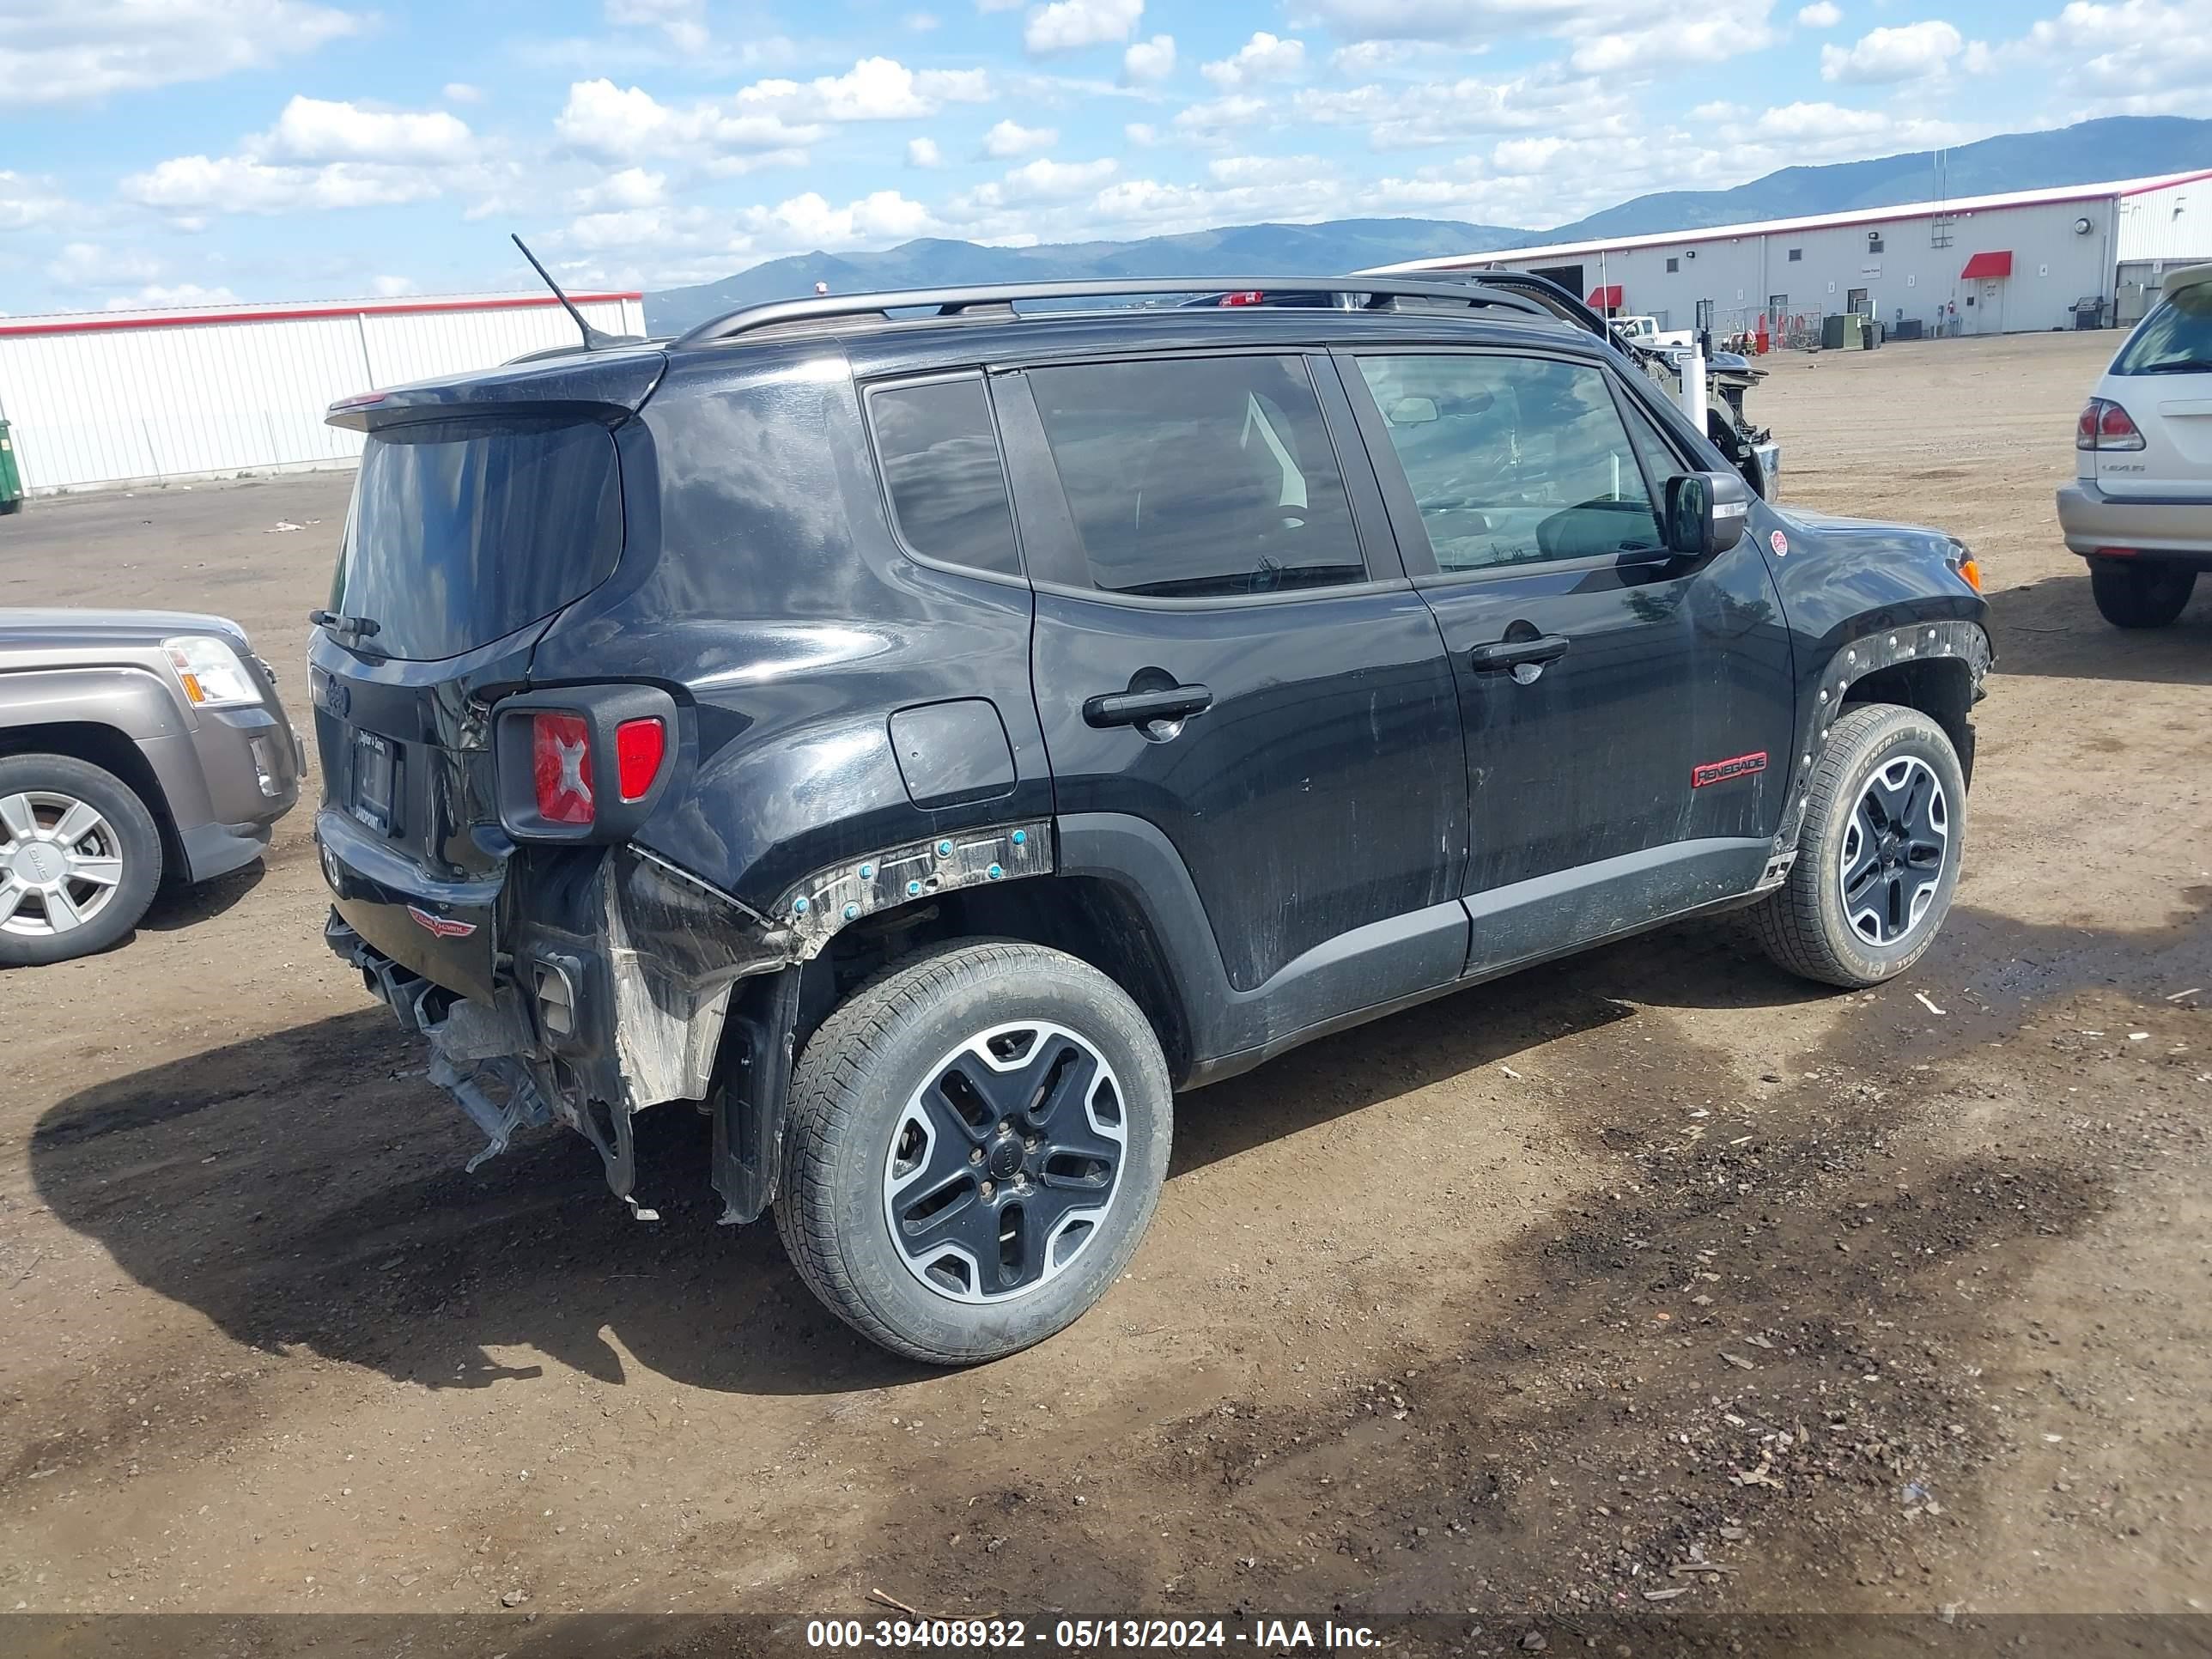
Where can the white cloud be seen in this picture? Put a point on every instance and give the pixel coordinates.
(1149, 60)
(2133, 58)
(1040, 180)
(924, 152)
(311, 130)
(1210, 120)
(998, 5)
(1609, 36)
(90, 49)
(183, 293)
(391, 288)
(1821, 14)
(873, 89)
(1010, 139)
(1906, 53)
(1071, 25)
(1364, 58)
(460, 92)
(683, 21)
(631, 187)
(808, 222)
(1263, 57)
(25, 204)
(627, 123)
(1439, 111)
(191, 185)
(922, 22)
(86, 264)
(1143, 134)
(1718, 30)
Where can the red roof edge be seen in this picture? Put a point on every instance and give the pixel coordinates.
(2168, 184)
(103, 324)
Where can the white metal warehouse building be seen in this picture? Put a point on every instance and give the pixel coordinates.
(120, 396)
(1982, 264)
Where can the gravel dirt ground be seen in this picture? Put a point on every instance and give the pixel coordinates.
(1512, 1306)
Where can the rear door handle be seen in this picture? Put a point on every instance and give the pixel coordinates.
(1506, 653)
(1142, 707)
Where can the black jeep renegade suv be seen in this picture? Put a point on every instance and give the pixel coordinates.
(928, 734)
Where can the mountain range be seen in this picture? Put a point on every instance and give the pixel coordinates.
(2117, 147)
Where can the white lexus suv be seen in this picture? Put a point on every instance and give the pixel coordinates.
(2139, 506)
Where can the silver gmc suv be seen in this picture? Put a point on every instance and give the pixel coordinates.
(134, 746)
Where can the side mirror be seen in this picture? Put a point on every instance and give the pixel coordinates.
(1707, 512)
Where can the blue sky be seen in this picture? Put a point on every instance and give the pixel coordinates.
(181, 151)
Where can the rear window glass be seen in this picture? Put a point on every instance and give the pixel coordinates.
(1200, 478)
(940, 460)
(459, 534)
(2176, 338)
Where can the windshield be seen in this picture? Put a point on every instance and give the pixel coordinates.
(460, 533)
(2176, 338)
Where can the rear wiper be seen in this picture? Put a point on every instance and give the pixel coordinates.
(2181, 366)
(362, 628)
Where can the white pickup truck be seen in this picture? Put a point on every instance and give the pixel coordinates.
(1645, 331)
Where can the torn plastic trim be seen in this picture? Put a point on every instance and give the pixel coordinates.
(813, 910)
(1951, 639)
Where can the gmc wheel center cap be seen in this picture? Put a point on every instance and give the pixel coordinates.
(36, 864)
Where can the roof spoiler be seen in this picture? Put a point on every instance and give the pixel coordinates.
(607, 388)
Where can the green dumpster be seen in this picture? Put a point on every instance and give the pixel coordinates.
(11, 476)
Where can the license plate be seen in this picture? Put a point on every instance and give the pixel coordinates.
(371, 781)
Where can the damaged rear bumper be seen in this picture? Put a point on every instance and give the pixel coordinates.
(614, 981)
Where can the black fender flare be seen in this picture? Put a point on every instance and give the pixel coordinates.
(1942, 640)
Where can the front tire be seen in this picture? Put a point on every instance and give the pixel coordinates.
(80, 859)
(2149, 593)
(1878, 856)
(977, 1139)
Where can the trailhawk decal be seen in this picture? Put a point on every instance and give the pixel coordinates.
(1720, 771)
(446, 927)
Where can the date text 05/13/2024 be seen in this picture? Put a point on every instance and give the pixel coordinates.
(1084, 1635)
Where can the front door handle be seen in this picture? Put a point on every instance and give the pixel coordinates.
(1509, 653)
(1143, 708)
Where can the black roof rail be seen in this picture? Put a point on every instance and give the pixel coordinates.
(999, 298)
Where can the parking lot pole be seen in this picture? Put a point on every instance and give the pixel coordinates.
(1693, 387)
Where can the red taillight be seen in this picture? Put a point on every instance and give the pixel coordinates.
(639, 747)
(2105, 425)
(1249, 296)
(561, 765)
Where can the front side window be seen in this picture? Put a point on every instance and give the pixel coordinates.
(1198, 477)
(2176, 338)
(1514, 460)
(940, 461)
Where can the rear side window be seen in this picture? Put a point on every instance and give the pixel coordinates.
(1200, 478)
(460, 533)
(2176, 338)
(940, 461)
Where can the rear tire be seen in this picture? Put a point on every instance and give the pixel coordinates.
(977, 1139)
(2145, 593)
(80, 859)
(1878, 856)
